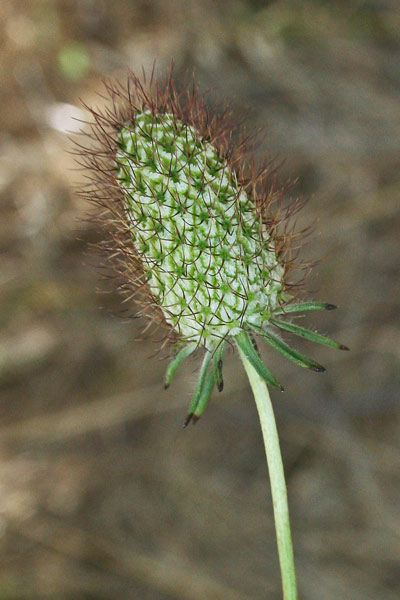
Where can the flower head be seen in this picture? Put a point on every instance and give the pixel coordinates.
(196, 232)
(210, 262)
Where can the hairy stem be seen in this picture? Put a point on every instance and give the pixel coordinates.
(277, 479)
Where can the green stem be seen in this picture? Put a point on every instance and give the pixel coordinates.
(277, 479)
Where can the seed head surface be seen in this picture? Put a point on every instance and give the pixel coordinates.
(209, 260)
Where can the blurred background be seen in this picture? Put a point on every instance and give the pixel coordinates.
(102, 494)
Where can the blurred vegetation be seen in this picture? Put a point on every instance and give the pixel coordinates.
(101, 493)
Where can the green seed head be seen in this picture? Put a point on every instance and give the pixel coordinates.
(211, 263)
(195, 232)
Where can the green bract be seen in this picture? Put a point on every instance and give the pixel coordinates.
(210, 263)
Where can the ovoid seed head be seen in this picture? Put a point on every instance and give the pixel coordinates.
(210, 261)
(195, 231)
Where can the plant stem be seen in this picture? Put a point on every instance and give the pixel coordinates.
(277, 479)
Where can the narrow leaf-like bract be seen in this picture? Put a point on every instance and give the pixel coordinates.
(313, 336)
(204, 397)
(176, 361)
(217, 365)
(243, 340)
(290, 353)
(199, 388)
(303, 306)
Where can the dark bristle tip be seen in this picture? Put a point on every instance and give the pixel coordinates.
(319, 369)
(187, 420)
(343, 347)
(330, 306)
(282, 389)
(220, 386)
(195, 418)
(166, 386)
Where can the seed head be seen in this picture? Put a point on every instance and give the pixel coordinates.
(195, 231)
(210, 262)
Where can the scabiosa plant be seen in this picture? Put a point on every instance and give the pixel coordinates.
(203, 241)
